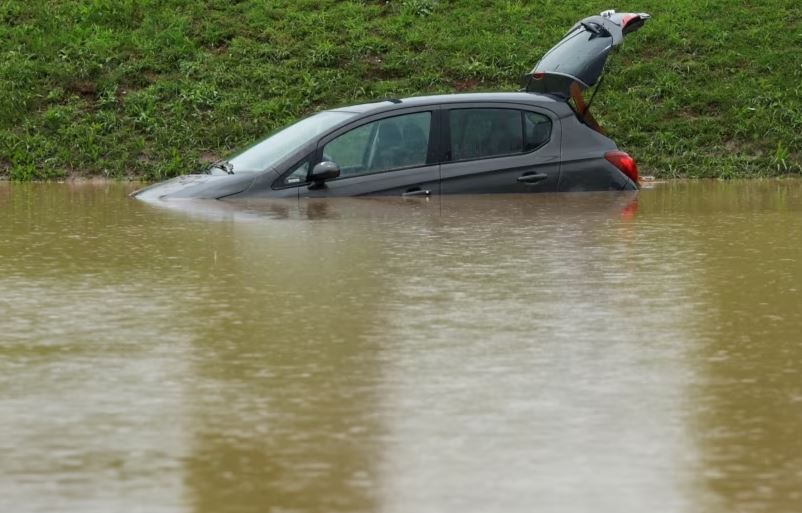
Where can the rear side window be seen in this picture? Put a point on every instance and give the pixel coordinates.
(482, 133)
(537, 130)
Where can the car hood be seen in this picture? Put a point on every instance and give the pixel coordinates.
(198, 186)
(579, 57)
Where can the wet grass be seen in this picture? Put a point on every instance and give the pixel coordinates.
(154, 88)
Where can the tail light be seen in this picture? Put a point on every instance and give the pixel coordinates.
(624, 163)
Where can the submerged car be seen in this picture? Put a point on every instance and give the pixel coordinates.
(539, 139)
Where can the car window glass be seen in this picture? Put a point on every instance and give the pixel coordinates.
(581, 54)
(390, 143)
(477, 133)
(537, 128)
(298, 174)
(283, 143)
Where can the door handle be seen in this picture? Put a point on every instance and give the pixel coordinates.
(532, 178)
(417, 191)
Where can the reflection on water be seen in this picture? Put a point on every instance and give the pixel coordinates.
(591, 352)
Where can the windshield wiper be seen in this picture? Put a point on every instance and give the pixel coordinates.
(225, 165)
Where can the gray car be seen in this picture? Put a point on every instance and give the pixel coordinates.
(540, 139)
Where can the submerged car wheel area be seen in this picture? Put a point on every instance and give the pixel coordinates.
(540, 139)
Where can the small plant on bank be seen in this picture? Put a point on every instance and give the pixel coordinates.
(418, 7)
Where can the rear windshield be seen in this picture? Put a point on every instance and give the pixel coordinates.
(581, 55)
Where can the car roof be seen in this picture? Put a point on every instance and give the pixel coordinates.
(421, 101)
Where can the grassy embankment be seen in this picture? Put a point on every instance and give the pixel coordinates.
(153, 88)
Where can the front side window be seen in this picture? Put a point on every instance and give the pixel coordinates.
(297, 175)
(383, 145)
(482, 133)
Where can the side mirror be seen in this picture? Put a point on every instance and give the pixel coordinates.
(324, 171)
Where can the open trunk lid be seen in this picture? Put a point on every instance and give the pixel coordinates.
(580, 55)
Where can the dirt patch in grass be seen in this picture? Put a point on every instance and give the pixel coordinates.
(219, 48)
(207, 157)
(84, 88)
(377, 70)
(125, 89)
(465, 85)
(5, 169)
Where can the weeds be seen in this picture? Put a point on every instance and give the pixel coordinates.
(781, 157)
(418, 7)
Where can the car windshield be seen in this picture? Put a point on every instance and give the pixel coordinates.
(271, 151)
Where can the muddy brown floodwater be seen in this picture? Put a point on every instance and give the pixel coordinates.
(572, 353)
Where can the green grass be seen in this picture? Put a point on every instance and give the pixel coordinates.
(154, 88)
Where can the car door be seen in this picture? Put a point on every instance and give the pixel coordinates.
(386, 155)
(499, 148)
